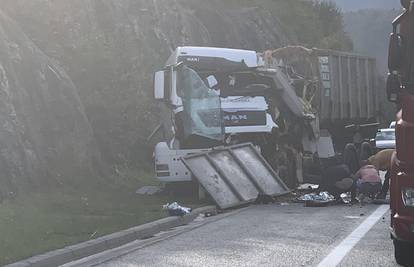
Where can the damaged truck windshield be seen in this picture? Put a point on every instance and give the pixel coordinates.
(211, 107)
(201, 115)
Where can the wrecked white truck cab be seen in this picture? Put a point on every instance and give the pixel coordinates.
(195, 73)
(221, 96)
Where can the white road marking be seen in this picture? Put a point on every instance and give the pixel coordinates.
(353, 217)
(338, 253)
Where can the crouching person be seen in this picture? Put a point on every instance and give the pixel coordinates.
(337, 180)
(368, 181)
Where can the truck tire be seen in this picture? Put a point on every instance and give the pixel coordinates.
(284, 163)
(403, 253)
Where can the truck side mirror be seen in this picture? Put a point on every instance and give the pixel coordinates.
(393, 87)
(160, 85)
(395, 52)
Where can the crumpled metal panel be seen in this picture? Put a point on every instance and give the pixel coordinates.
(235, 175)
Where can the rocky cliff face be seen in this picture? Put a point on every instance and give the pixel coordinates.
(75, 77)
(45, 136)
(110, 49)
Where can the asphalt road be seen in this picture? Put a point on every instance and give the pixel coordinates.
(266, 235)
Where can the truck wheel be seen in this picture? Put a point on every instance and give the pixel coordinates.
(287, 168)
(403, 253)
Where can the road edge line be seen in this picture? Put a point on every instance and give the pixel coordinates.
(335, 257)
(116, 253)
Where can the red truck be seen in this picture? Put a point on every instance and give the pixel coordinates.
(400, 89)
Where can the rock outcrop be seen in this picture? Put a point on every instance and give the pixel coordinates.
(45, 136)
(53, 129)
(110, 49)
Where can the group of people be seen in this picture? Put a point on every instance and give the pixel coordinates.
(365, 180)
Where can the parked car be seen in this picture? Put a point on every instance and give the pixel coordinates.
(385, 138)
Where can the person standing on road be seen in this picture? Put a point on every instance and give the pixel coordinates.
(351, 158)
(382, 162)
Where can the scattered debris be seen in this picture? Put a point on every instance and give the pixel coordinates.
(363, 199)
(322, 196)
(148, 190)
(209, 214)
(346, 198)
(174, 209)
(307, 187)
(93, 234)
(322, 199)
(200, 218)
(353, 217)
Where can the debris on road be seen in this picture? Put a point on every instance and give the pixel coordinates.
(321, 199)
(322, 196)
(346, 198)
(174, 209)
(353, 217)
(305, 187)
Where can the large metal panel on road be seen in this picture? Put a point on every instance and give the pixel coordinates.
(235, 175)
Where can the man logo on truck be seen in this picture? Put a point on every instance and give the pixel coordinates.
(235, 118)
(193, 59)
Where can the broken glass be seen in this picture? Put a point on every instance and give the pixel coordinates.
(202, 113)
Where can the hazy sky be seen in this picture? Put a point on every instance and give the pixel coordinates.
(352, 5)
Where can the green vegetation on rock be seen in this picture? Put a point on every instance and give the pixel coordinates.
(308, 23)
